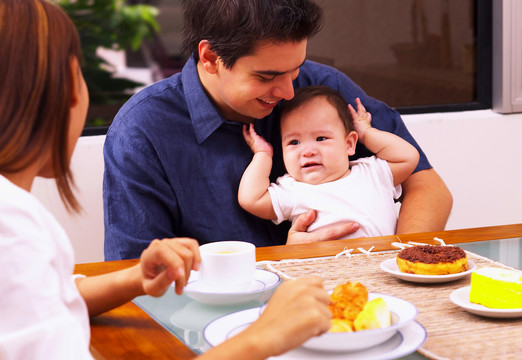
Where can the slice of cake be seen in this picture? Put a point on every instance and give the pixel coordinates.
(496, 288)
(375, 315)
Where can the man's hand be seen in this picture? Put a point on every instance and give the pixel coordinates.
(298, 235)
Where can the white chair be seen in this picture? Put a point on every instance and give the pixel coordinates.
(85, 229)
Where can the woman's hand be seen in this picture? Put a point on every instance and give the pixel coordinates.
(166, 261)
(297, 311)
(163, 262)
(298, 235)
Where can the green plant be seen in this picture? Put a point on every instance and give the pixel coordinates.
(111, 24)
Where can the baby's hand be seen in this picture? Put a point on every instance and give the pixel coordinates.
(257, 143)
(361, 118)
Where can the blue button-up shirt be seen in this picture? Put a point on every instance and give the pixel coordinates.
(173, 164)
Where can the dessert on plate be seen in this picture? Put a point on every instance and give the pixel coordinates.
(352, 311)
(496, 288)
(432, 260)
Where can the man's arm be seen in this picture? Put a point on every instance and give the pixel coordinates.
(426, 203)
(253, 195)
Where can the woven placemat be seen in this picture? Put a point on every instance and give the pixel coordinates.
(453, 333)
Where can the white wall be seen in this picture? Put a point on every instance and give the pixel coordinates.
(477, 153)
(479, 156)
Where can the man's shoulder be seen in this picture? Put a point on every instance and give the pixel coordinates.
(315, 66)
(155, 103)
(166, 92)
(314, 73)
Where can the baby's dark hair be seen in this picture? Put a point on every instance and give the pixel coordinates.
(334, 97)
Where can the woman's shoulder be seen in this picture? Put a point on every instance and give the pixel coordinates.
(21, 211)
(13, 196)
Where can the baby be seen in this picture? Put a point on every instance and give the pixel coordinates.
(319, 131)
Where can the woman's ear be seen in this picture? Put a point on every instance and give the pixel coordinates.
(74, 68)
(351, 142)
(208, 57)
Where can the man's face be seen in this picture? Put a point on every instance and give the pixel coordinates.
(315, 143)
(256, 83)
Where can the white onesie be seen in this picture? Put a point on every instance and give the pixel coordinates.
(365, 196)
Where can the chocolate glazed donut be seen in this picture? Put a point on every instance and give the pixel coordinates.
(432, 260)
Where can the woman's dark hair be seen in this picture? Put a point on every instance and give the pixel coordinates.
(305, 94)
(234, 28)
(38, 42)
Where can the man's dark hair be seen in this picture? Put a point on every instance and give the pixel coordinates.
(334, 97)
(234, 28)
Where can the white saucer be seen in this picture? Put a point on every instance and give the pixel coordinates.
(391, 267)
(460, 297)
(264, 284)
(405, 341)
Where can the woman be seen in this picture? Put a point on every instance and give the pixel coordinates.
(44, 310)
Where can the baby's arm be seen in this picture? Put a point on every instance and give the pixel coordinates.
(402, 157)
(253, 195)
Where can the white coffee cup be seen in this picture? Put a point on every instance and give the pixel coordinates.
(227, 265)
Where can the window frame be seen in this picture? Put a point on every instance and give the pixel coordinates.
(507, 56)
(483, 76)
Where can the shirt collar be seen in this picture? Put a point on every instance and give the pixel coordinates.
(205, 117)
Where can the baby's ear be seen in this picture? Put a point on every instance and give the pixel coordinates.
(351, 142)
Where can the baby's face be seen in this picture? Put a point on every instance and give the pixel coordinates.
(315, 143)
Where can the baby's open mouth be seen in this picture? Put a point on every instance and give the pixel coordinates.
(310, 164)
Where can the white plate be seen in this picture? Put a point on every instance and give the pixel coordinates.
(405, 341)
(264, 284)
(403, 313)
(391, 267)
(460, 297)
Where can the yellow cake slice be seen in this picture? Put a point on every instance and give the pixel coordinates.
(340, 325)
(375, 315)
(496, 288)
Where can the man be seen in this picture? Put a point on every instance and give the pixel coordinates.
(175, 152)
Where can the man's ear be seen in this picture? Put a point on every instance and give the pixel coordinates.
(351, 142)
(208, 57)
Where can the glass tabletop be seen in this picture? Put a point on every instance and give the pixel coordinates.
(186, 318)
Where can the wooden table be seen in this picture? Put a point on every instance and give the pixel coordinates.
(128, 332)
